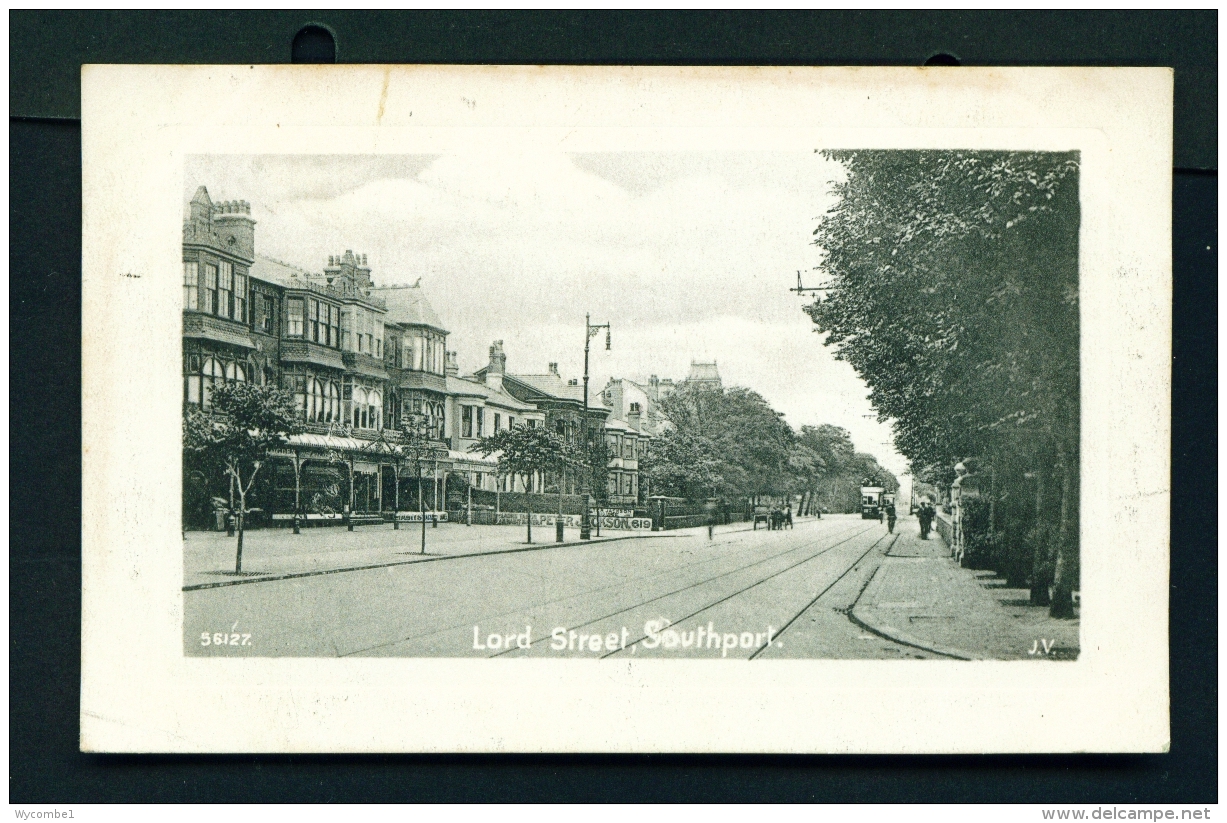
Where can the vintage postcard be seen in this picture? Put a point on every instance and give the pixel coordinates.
(625, 409)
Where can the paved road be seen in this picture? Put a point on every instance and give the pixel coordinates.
(746, 594)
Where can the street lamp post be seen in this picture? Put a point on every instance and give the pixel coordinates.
(585, 527)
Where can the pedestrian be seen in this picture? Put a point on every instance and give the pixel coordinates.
(788, 516)
(891, 516)
(925, 514)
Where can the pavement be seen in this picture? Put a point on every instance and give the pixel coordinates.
(921, 598)
(835, 588)
(275, 554)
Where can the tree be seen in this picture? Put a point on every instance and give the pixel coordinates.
(722, 442)
(527, 451)
(953, 282)
(417, 448)
(594, 464)
(683, 464)
(247, 421)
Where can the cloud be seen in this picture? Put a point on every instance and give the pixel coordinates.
(687, 254)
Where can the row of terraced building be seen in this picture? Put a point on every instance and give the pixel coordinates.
(363, 361)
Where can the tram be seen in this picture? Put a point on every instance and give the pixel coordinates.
(871, 502)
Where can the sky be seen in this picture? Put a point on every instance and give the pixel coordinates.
(688, 255)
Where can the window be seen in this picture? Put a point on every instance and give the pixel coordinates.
(212, 375)
(316, 401)
(210, 289)
(313, 320)
(334, 326)
(235, 373)
(269, 322)
(481, 421)
(497, 421)
(347, 321)
(628, 448)
(408, 343)
(361, 410)
(375, 409)
(466, 421)
(297, 384)
(240, 297)
(294, 310)
(511, 422)
(225, 290)
(334, 403)
(191, 379)
(191, 286)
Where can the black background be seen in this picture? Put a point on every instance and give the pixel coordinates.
(46, 52)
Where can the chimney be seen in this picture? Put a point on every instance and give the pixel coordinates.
(634, 417)
(449, 367)
(497, 367)
(554, 369)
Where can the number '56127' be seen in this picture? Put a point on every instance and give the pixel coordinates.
(224, 639)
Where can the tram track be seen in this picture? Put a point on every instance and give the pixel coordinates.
(857, 532)
(833, 583)
(763, 580)
(621, 583)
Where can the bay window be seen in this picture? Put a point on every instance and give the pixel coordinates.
(191, 286)
(210, 288)
(225, 290)
(294, 309)
(240, 297)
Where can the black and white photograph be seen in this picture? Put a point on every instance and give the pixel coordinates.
(731, 405)
(527, 409)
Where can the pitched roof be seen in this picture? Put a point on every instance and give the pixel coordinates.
(614, 424)
(276, 272)
(552, 385)
(408, 305)
(473, 388)
(703, 372)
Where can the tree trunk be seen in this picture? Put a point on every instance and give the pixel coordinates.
(1066, 573)
(238, 555)
(1039, 555)
(422, 509)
